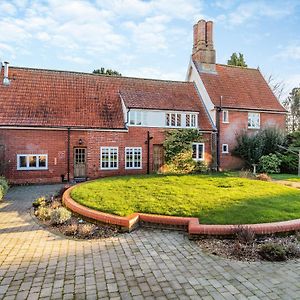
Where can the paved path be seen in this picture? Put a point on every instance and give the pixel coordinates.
(294, 184)
(146, 264)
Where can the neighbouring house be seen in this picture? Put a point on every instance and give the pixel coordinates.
(236, 98)
(59, 125)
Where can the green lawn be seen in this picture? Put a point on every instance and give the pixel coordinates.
(214, 199)
(288, 177)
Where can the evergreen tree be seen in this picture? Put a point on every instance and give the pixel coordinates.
(292, 104)
(103, 71)
(237, 60)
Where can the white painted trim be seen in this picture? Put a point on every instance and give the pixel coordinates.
(197, 152)
(254, 110)
(28, 168)
(141, 162)
(109, 161)
(225, 152)
(254, 127)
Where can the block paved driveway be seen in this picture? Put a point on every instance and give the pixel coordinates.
(145, 264)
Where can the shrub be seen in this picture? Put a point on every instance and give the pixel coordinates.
(180, 141)
(41, 201)
(263, 177)
(3, 187)
(44, 213)
(71, 229)
(289, 163)
(60, 216)
(252, 147)
(246, 174)
(273, 252)
(292, 250)
(86, 230)
(182, 163)
(55, 204)
(245, 235)
(269, 164)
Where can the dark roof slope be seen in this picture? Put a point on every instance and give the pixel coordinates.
(243, 88)
(38, 97)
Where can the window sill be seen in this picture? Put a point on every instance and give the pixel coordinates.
(254, 128)
(140, 168)
(32, 169)
(108, 169)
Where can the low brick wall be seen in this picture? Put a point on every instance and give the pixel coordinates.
(194, 228)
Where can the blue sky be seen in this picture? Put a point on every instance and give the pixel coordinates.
(150, 39)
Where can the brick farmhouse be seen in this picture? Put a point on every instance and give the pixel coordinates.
(60, 125)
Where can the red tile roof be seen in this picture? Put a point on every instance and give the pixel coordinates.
(50, 98)
(241, 88)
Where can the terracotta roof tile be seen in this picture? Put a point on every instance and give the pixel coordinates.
(240, 87)
(38, 97)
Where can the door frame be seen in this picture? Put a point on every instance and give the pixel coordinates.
(74, 161)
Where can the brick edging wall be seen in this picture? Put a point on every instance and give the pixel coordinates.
(194, 228)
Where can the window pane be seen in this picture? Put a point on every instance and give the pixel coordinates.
(22, 162)
(178, 120)
(194, 148)
(173, 119)
(138, 118)
(32, 161)
(187, 121)
(42, 161)
(193, 123)
(167, 119)
(200, 151)
(131, 118)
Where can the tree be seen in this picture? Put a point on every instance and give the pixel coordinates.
(109, 72)
(278, 87)
(237, 60)
(292, 104)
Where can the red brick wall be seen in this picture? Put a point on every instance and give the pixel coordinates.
(238, 121)
(54, 143)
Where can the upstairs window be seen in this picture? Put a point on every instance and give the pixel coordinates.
(173, 119)
(32, 162)
(225, 117)
(133, 158)
(198, 151)
(225, 148)
(135, 118)
(190, 120)
(109, 158)
(253, 120)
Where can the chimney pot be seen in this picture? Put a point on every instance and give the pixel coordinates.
(6, 80)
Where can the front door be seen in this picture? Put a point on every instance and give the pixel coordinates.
(158, 157)
(80, 162)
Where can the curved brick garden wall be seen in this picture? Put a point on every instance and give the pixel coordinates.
(194, 228)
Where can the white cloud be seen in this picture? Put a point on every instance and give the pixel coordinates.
(74, 59)
(291, 52)
(7, 8)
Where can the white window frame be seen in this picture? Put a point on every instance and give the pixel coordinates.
(251, 120)
(133, 116)
(28, 168)
(197, 151)
(102, 149)
(176, 119)
(225, 145)
(193, 120)
(225, 116)
(134, 150)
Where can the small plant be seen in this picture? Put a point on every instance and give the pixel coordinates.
(41, 201)
(86, 230)
(60, 216)
(263, 177)
(270, 163)
(273, 252)
(55, 204)
(3, 187)
(71, 229)
(245, 235)
(292, 250)
(44, 213)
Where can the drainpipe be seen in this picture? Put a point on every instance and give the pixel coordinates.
(149, 138)
(68, 154)
(218, 121)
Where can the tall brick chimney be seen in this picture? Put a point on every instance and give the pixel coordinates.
(203, 47)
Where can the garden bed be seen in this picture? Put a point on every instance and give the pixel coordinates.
(213, 199)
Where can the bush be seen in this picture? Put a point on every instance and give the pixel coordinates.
(60, 216)
(3, 187)
(273, 252)
(56, 204)
(263, 177)
(246, 174)
(41, 201)
(251, 148)
(71, 229)
(245, 234)
(269, 164)
(86, 230)
(44, 213)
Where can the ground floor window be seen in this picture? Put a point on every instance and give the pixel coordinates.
(109, 158)
(133, 158)
(32, 162)
(225, 148)
(198, 151)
